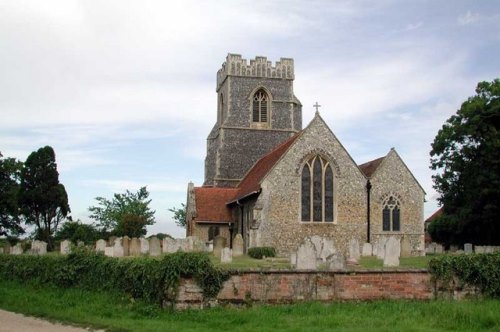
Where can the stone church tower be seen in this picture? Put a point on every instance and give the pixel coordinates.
(256, 111)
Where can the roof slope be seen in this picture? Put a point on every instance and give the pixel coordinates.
(370, 167)
(436, 214)
(211, 204)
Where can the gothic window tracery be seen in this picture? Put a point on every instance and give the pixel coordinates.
(391, 214)
(317, 191)
(260, 105)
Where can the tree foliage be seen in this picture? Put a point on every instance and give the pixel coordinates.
(125, 214)
(466, 152)
(179, 215)
(42, 199)
(77, 231)
(10, 174)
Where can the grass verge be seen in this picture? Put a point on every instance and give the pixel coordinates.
(115, 312)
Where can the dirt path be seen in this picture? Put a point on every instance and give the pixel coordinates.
(11, 322)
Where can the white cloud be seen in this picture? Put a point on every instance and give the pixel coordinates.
(468, 18)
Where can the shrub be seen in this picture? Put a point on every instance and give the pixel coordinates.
(259, 252)
(478, 270)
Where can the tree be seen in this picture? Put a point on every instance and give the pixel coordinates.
(10, 173)
(179, 215)
(466, 152)
(77, 231)
(126, 214)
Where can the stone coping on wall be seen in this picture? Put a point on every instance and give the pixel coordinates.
(343, 271)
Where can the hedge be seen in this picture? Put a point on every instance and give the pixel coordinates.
(260, 252)
(154, 280)
(478, 270)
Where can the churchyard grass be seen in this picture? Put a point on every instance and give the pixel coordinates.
(418, 262)
(115, 312)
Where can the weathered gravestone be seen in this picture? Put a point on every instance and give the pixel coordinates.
(293, 259)
(154, 246)
(479, 249)
(171, 245)
(109, 251)
(380, 245)
(392, 252)
(306, 256)
(219, 244)
(324, 247)
(405, 247)
(144, 246)
(439, 248)
(17, 249)
(238, 245)
(354, 251)
(39, 247)
(6, 248)
(100, 245)
(134, 247)
(197, 244)
(430, 248)
(126, 245)
(118, 248)
(226, 255)
(453, 248)
(65, 247)
(468, 248)
(80, 244)
(367, 249)
(335, 262)
(111, 241)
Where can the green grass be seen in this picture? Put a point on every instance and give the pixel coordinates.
(419, 262)
(247, 262)
(118, 313)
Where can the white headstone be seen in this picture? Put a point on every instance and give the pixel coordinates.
(134, 247)
(293, 259)
(354, 250)
(170, 245)
(324, 247)
(468, 248)
(65, 247)
(144, 246)
(238, 245)
(306, 256)
(109, 251)
(336, 262)
(226, 255)
(392, 252)
(118, 248)
(100, 245)
(367, 249)
(39, 247)
(381, 247)
(154, 246)
(17, 249)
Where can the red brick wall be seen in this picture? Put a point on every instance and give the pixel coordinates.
(293, 286)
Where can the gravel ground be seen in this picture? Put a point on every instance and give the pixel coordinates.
(12, 322)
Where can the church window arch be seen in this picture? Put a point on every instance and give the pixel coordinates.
(317, 191)
(260, 106)
(391, 214)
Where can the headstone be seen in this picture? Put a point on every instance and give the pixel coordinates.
(468, 248)
(171, 245)
(219, 243)
(210, 246)
(238, 245)
(80, 244)
(111, 241)
(100, 245)
(65, 247)
(134, 247)
(1, 250)
(109, 251)
(489, 249)
(126, 245)
(354, 250)
(336, 262)
(293, 259)
(144, 246)
(367, 249)
(381, 247)
(392, 252)
(118, 248)
(439, 249)
(306, 256)
(198, 244)
(226, 255)
(17, 249)
(324, 247)
(6, 248)
(39, 247)
(453, 248)
(430, 248)
(479, 249)
(405, 247)
(154, 246)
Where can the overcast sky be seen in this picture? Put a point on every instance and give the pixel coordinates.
(124, 91)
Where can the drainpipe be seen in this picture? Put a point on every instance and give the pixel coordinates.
(368, 189)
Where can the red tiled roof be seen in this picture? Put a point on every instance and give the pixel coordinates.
(370, 167)
(211, 204)
(251, 181)
(435, 215)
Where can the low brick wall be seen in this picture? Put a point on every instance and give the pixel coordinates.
(292, 286)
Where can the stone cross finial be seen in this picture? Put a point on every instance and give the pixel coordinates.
(317, 106)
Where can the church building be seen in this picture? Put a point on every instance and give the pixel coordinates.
(276, 183)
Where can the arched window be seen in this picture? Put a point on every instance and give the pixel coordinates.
(260, 105)
(317, 191)
(391, 215)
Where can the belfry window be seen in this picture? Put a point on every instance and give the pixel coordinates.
(391, 215)
(260, 106)
(317, 194)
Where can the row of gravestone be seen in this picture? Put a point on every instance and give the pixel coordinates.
(37, 248)
(469, 248)
(222, 251)
(317, 251)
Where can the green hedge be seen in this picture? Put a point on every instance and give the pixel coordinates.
(155, 280)
(259, 252)
(479, 270)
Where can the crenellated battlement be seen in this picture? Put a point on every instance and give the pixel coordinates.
(260, 67)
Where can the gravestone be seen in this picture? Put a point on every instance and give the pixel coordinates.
(80, 244)
(453, 248)
(438, 249)
(154, 246)
(100, 245)
(324, 247)
(198, 245)
(65, 247)
(293, 259)
(109, 251)
(380, 245)
(134, 247)
(17, 249)
(170, 245)
(306, 256)
(6, 248)
(226, 255)
(118, 248)
(430, 248)
(479, 249)
(1, 250)
(354, 250)
(126, 245)
(39, 247)
(111, 241)
(405, 247)
(238, 245)
(336, 262)
(144, 246)
(367, 249)
(468, 248)
(210, 246)
(219, 243)
(392, 252)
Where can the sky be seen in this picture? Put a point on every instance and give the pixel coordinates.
(124, 91)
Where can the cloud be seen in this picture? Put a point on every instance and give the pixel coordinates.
(468, 18)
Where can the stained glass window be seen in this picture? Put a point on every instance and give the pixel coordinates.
(391, 215)
(317, 191)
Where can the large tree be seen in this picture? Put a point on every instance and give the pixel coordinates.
(466, 154)
(10, 173)
(125, 214)
(42, 199)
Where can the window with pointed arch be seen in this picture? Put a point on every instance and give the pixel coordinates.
(260, 106)
(317, 191)
(391, 215)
